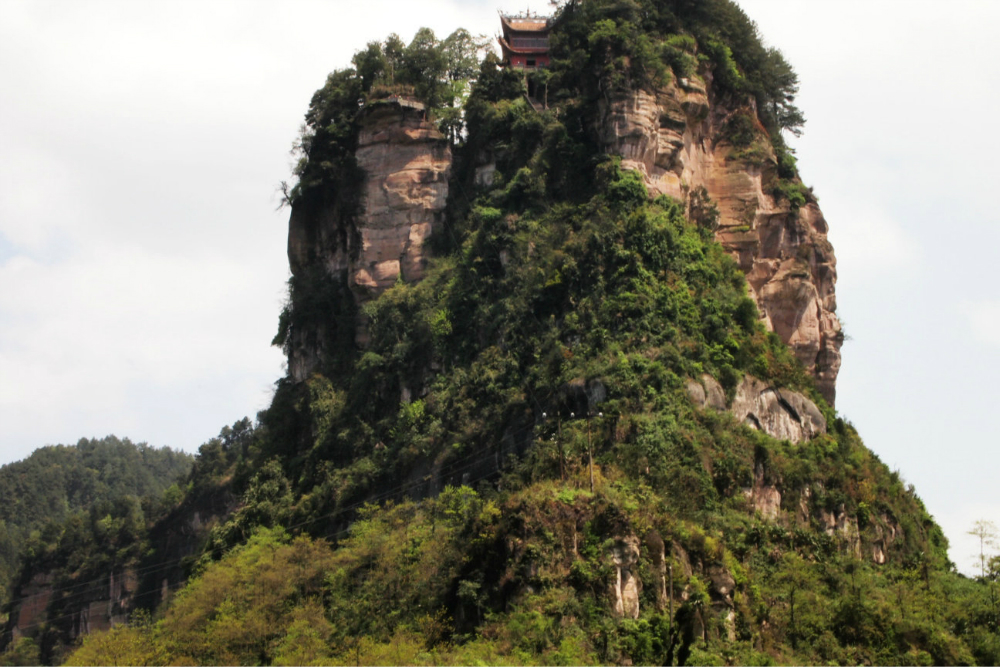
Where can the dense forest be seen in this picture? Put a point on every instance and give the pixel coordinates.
(512, 470)
(39, 493)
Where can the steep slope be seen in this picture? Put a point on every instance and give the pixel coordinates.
(692, 148)
(97, 520)
(60, 480)
(534, 411)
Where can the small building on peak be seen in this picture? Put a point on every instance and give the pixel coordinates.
(525, 40)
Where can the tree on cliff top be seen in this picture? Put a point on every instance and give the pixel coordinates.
(436, 72)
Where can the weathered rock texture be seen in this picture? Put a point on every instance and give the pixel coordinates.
(707, 392)
(674, 137)
(625, 586)
(406, 163)
(763, 496)
(30, 613)
(781, 413)
(100, 608)
(104, 614)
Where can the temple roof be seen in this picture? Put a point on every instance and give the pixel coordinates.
(526, 24)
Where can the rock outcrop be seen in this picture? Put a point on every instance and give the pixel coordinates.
(707, 393)
(886, 531)
(406, 164)
(91, 610)
(763, 496)
(30, 613)
(781, 413)
(406, 161)
(675, 138)
(626, 585)
(104, 614)
(838, 524)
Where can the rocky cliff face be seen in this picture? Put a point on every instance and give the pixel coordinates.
(675, 137)
(99, 607)
(781, 413)
(30, 613)
(406, 163)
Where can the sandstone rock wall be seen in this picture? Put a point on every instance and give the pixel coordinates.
(104, 614)
(674, 138)
(626, 586)
(31, 612)
(406, 163)
(92, 610)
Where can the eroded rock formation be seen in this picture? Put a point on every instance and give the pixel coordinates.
(100, 608)
(781, 413)
(626, 585)
(675, 138)
(406, 161)
(30, 613)
(763, 496)
(406, 164)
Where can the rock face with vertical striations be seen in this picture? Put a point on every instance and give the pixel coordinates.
(405, 163)
(675, 137)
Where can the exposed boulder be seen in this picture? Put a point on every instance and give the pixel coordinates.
(783, 414)
(886, 531)
(706, 392)
(721, 592)
(580, 397)
(838, 524)
(763, 496)
(805, 500)
(658, 552)
(723, 583)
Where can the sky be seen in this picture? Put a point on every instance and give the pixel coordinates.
(142, 252)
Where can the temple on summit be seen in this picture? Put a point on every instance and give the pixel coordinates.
(525, 40)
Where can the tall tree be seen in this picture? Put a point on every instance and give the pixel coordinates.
(987, 533)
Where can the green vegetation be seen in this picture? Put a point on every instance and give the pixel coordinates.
(435, 72)
(57, 482)
(511, 470)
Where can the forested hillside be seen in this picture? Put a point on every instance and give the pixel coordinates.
(561, 432)
(40, 492)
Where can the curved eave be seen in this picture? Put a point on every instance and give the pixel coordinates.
(533, 51)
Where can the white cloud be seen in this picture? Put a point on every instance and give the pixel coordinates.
(983, 319)
(142, 264)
